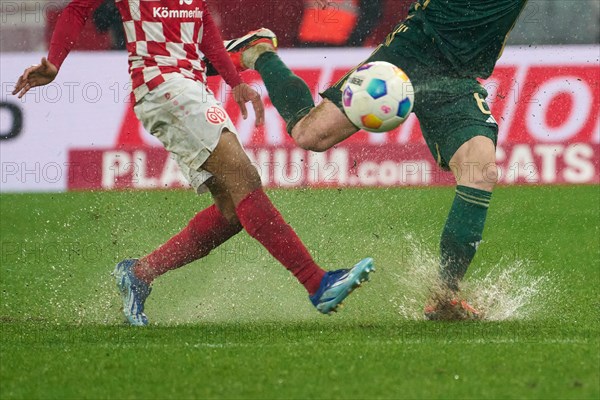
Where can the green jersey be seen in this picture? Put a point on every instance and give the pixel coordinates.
(469, 33)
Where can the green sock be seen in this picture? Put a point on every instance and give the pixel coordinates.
(289, 94)
(462, 233)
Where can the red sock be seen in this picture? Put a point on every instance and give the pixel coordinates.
(264, 223)
(206, 231)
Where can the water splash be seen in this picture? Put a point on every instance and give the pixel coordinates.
(99, 305)
(508, 291)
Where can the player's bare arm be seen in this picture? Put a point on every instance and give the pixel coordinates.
(214, 50)
(68, 27)
(243, 94)
(36, 75)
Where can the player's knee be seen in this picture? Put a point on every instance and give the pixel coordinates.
(245, 179)
(481, 175)
(252, 176)
(302, 138)
(240, 179)
(490, 175)
(230, 215)
(484, 178)
(474, 164)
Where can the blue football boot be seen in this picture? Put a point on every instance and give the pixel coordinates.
(133, 291)
(337, 285)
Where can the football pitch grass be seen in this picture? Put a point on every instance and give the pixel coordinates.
(237, 325)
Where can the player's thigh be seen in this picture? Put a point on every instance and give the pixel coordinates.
(188, 121)
(231, 168)
(453, 118)
(325, 126)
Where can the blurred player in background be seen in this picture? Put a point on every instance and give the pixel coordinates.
(108, 19)
(444, 47)
(166, 40)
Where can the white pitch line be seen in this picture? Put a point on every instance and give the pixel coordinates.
(397, 342)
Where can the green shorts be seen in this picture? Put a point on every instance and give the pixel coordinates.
(451, 108)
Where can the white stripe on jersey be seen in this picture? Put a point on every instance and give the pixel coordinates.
(137, 63)
(150, 73)
(165, 61)
(176, 50)
(134, 9)
(129, 31)
(140, 91)
(196, 64)
(154, 31)
(200, 32)
(187, 32)
(188, 74)
(141, 48)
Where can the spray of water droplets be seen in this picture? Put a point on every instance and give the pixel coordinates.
(507, 291)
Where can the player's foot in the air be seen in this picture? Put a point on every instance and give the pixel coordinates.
(245, 50)
(337, 285)
(451, 310)
(133, 291)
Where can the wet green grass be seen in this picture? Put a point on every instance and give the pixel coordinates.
(237, 325)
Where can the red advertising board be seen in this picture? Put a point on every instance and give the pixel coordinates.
(546, 101)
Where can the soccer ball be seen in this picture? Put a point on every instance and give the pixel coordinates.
(378, 96)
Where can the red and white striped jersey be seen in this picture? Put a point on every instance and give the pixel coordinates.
(165, 39)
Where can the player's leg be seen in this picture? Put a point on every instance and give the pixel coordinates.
(475, 171)
(206, 231)
(196, 131)
(322, 128)
(312, 128)
(463, 132)
(232, 169)
(162, 112)
(315, 129)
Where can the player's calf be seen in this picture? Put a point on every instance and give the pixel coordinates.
(475, 171)
(315, 129)
(322, 128)
(263, 222)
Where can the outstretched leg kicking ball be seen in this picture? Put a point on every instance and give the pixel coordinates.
(456, 122)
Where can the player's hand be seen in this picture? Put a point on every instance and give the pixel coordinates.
(36, 75)
(322, 3)
(242, 94)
